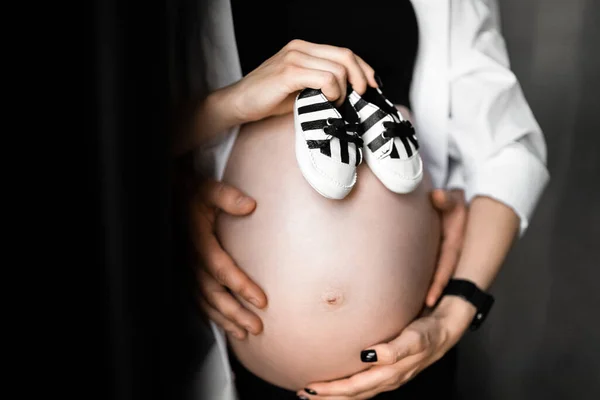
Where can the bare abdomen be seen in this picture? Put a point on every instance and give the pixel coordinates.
(339, 276)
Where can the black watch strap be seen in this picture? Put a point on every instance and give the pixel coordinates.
(470, 292)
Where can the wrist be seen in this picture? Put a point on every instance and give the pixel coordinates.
(457, 314)
(216, 114)
(213, 115)
(222, 106)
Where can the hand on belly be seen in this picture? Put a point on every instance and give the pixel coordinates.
(339, 275)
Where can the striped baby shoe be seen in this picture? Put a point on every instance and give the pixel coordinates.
(390, 147)
(328, 147)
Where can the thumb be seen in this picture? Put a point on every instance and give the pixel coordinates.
(227, 198)
(442, 200)
(409, 343)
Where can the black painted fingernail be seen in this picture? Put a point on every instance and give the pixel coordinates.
(303, 398)
(310, 391)
(378, 80)
(368, 356)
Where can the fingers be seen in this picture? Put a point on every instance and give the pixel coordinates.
(219, 264)
(354, 386)
(299, 78)
(228, 307)
(222, 321)
(397, 362)
(442, 200)
(219, 269)
(226, 197)
(369, 394)
(369, 72)
(356, 75)
(307, 61)
(454, 217)
(410, 342)
(449, 256)
(446, 200)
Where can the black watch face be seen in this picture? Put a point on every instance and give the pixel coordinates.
(482, 312)
(477, 320)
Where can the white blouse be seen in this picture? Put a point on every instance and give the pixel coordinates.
(474, 125)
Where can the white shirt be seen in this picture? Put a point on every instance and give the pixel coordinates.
(474, 125)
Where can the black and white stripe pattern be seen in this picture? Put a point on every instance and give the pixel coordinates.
(313, 110)
(373, 118)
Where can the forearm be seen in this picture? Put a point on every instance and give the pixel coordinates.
(491, 229)
(213, 115)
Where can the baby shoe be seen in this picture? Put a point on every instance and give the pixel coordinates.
(390, 146)
(328, 148)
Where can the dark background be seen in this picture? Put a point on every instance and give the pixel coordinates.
(542, 339)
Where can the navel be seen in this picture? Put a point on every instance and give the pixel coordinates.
(333, 298)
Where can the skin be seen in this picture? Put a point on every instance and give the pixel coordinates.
(491, 230)
(272, 87)
(361, 266)
(214, 115)
(480, 249)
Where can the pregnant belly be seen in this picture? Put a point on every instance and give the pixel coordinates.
(339, 276)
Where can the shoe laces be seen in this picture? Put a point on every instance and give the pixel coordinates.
(402, 129)
(338, 128)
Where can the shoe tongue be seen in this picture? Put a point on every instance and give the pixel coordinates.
(348, 112)
(374, 96)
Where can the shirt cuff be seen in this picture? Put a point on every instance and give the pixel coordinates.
(513, 176)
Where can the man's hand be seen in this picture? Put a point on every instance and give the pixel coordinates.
(453, 213)
(218, 272)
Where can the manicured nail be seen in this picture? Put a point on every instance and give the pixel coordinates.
(310, 391)
(368, 356)
(378, 80)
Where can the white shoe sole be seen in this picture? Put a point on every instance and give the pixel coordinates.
(323, 184)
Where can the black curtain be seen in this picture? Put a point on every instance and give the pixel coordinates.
(142, 57)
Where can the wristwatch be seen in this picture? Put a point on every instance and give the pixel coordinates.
(470, 292)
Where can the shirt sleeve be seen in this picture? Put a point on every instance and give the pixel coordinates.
(221, 68)
(496, 146)
(211, 159)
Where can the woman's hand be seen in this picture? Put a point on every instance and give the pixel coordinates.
(271, 88)
(453, 212)
(419, 345)
(218, 272)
